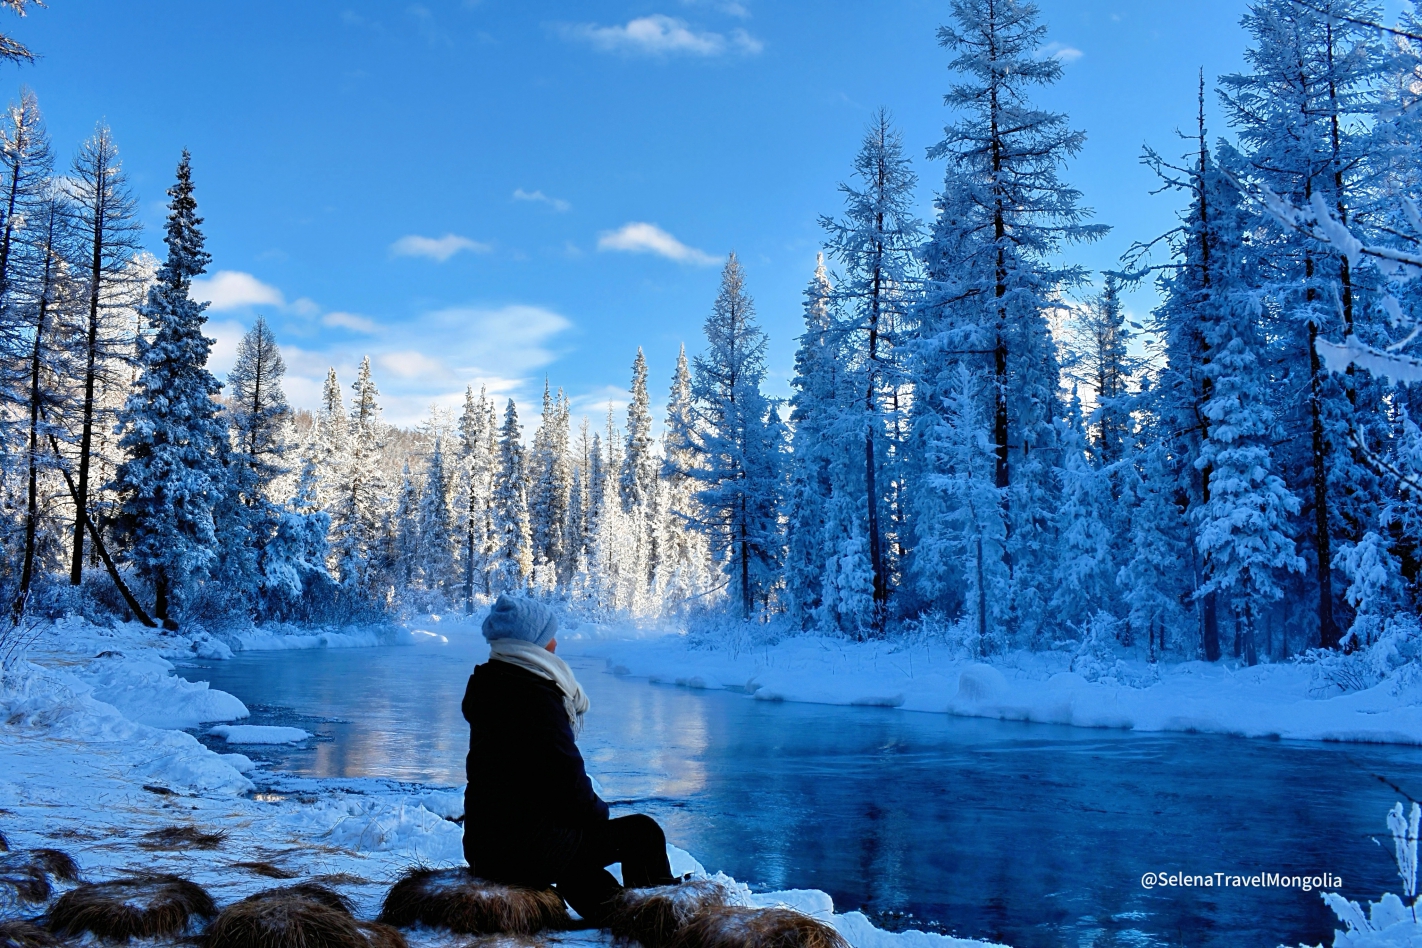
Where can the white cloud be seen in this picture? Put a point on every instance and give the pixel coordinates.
(436, 248)
(432, 357)
(233, 289)
(410, 364)
(1061, 52)
(558, 204)
(225, 336)
(349, 321)
(661, 35)
(728, 7)
(641, 237)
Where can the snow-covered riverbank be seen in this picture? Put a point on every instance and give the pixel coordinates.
(91, 766)
(1283, 700)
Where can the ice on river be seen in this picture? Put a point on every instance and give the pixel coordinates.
(259, 734)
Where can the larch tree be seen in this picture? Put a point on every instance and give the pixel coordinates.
(106, 213)
(258, 412)
(993, 271)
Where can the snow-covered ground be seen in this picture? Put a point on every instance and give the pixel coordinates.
(89, 765)
(1272, 700)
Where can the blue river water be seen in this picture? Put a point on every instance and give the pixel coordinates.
(1032, 835)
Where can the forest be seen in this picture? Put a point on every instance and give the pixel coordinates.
(980, 441)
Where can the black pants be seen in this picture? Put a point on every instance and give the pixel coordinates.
(635, 841)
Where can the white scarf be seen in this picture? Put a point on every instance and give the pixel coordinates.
(545, 664)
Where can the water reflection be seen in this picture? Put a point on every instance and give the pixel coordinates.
(1029, 834)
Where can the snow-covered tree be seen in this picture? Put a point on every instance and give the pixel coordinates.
(106, 215)
(960, 562)
(876, 244)
(737, 443)
(170, 429)
(474, 520)
(815, 413)
(511, 560)
(993, 271)
(258, 411)
(436, 542)
(358, 514)
(1303, 113)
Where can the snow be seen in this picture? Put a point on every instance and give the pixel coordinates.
(63, 749)
(1269, 700)
(255, 734)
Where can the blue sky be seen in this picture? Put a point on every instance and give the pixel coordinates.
(494, 191)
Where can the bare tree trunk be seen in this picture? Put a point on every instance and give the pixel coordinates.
(102, 550)
(86, 435)
(32, 485)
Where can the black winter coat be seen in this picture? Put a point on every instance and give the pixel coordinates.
(529, 796)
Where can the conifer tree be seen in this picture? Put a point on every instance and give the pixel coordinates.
(406, 531)
(1303, 115)
(258, 412)
(477, 432)
(511, 564)
(877, 244)
(737, 443)
(170, 428)
(436, 544)
(358, 516)
(107, 222)
(993, 274)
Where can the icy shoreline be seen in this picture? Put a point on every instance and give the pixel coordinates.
(1272, 701)
(92, 767)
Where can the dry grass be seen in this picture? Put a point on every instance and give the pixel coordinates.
(23, 881)
(731, 926)
(182, 837)
(147, 906)
(653, 916)
(507, 941)
(26, 875)
(23, 933)
(299, 916)
(380, 935)
(56, 863)
(267, 869)
(463, 903)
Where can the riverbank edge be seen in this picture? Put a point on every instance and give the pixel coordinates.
(1277, 701)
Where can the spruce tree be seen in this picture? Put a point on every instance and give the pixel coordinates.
(511, 563)
(358, 515)
(170, 428)
(436, 544)
(737, 444)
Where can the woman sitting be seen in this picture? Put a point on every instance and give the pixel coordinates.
(531, 816)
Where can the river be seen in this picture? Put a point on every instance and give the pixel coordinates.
(1033, 835)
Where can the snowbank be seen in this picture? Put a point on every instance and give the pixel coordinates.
(1264, 701)
(146, 691)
